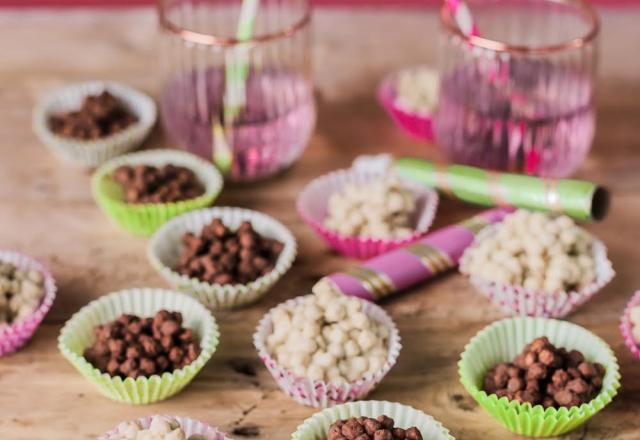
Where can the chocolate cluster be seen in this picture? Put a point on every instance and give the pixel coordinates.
(99, 116)
(222, 256)
(149, 184)
(132, 346)
(546, 375)
(365, 428)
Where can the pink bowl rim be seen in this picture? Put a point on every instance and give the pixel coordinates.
(626, 325)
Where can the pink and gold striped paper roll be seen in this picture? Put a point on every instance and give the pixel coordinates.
(399, 269)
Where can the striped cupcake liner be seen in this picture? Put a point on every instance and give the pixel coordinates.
(15, 335)
(416, 125)
(77, 335)
(165, 246)
(189, 426)
(314, 199)
(317, 426)
(91, 153)
(143, 219)
(518, 301)
(502, 341)
(318, 393)
(626, 326)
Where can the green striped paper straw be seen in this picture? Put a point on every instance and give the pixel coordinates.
(236, 74)
(576, 198)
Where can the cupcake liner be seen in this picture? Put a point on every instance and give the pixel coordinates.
(143, 219)
(317, 426)
(189, 426)
(518, 301)
(77, 335)
(416, 125)
(314, 199)
(626, 326)
(318, 393)
(164, 249)
(15, 335)
(92, 153)
(502, 341)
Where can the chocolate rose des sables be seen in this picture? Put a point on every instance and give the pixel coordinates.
(99, 116)
(150, 184)
(382, 208)
(131, 346)
(220, 255)
(328, 337)
(536, 251)
(634, 318)
(366, 428)
(160, 428)
(545, 375)
(20, 292)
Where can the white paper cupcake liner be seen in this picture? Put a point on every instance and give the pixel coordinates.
(142, 219)
(189, 426)
(92, 153)
(165, 246)
(318, 393)
(15, 335)
(313, 206)
(626, 326)
(518, 301)
(77, 335)
(317, 426)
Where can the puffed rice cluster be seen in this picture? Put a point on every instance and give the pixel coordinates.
(635, 323)
(20, 292)
(536, 251)
(381, 208)
(161, 428)
(328, 337)
(417, 90)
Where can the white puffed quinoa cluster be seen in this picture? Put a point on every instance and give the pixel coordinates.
(381, 208)
(161, 428)
(328, 337)
(417, 90)
(20, 292)
(635, 323)
(536, 251)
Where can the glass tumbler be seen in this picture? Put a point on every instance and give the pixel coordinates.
(519, 94)
(237, 84)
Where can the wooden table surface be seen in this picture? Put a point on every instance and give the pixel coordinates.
(46, 211)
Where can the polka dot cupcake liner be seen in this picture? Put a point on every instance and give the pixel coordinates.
(318, 393)
(77, 335)
(143, 219)
(314, 200)
(91, 153)
(502, 341)
(317, 426)
(165, 246)
(518, 301)
(417, 125)
(189, 426)
(15, 335)
(626, 326)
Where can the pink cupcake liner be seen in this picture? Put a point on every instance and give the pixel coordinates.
(419, 126)
(314, 199)
(190, 426)
(626, 325)
(15, 335)
(518, 301)
(318, 393)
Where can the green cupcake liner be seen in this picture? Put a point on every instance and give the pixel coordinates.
(317, 426)
(504, 340)
(144, 219)
(77, 335)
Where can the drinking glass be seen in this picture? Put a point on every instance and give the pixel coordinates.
(241, 96)
(519, 96)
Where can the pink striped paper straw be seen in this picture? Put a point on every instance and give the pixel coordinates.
(462, 15)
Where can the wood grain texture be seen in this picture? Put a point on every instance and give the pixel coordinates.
(46, 211)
